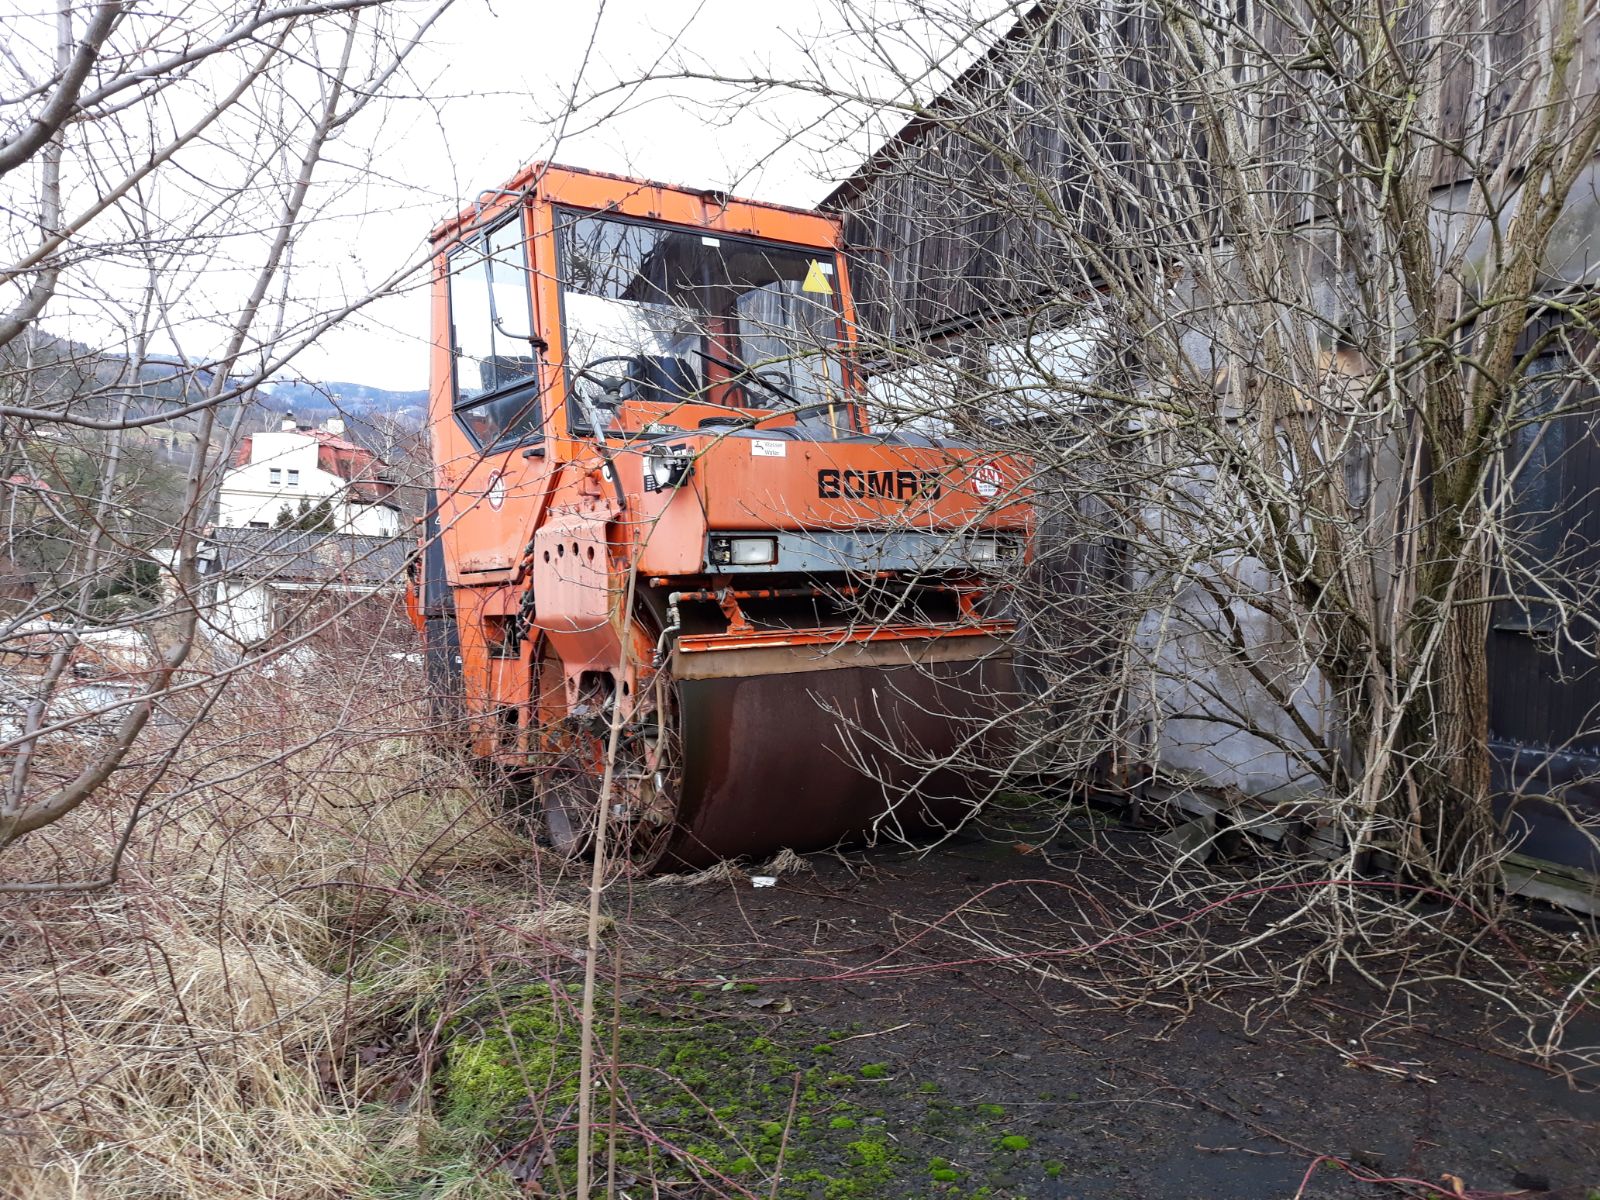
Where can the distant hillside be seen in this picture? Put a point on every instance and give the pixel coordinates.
(307, 399)
(67, 375)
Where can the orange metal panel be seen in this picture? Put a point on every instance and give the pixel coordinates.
(832, 637)
(820, 486)
(556, 184)
(571, 576)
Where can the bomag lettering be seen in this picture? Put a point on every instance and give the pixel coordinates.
(834, 484)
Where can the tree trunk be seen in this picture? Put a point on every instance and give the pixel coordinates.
(1439, 783)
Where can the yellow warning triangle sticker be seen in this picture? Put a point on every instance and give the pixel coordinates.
(816, 281)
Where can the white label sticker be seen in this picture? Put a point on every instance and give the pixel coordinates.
(710, 241)
(762, 448)
(495, 493)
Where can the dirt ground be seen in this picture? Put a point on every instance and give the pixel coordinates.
(927, 1061)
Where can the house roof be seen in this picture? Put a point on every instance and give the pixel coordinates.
(294, 556)
(884, 157)
(362, 469)
(334, 441)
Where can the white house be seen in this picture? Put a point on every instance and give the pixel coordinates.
(277, 583)
(294, 467)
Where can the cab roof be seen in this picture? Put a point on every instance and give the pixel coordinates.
(554, 183)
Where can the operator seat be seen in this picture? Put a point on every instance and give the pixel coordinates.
(664, 378)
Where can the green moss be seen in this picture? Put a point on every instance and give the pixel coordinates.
(510, 1062)
(822, 1048)
(527, 1048)
(992, 1111)
(1018, 801)
(928, 1087)
(940, 1170)
(867, 1172)
(1013, 1142)
(1053, 1168)
(870, 1154)
(509, 1053)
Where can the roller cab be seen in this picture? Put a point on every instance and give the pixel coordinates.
(658, 499)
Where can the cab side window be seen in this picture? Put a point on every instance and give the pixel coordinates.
(494, 343)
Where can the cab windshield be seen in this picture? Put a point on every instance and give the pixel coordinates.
(657, 313)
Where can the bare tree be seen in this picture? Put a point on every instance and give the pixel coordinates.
(163, 164)
(1290, 305)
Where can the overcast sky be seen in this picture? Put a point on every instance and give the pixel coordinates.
(498, 76)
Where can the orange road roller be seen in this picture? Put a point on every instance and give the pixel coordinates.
(664, 539)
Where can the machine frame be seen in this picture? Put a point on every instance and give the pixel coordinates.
(533, 547)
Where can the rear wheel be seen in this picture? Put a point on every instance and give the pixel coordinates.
(441, 651)
(572, 747)
(653, 758)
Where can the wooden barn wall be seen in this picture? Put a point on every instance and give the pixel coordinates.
(1544, 691)
(983, 206)
(976, 216)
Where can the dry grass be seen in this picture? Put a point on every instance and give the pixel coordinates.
(247, 1013)
(725, 871)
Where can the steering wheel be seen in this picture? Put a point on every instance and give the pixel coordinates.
(609, 386)
(739, 371)
(784, 384)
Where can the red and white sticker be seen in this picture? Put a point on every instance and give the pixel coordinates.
(987, 481)
(495, 492)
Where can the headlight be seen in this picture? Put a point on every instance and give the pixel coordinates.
(665, 470)
(983, 551)
(744, 551)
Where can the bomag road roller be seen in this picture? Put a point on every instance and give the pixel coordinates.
(658, 506)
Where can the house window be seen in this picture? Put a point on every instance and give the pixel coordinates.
(294, 477)
(275, 475)
(259, 525)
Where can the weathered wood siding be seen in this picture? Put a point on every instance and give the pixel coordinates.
(1068, 135)
(1071, 131)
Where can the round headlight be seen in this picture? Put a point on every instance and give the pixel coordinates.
(664, 470)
